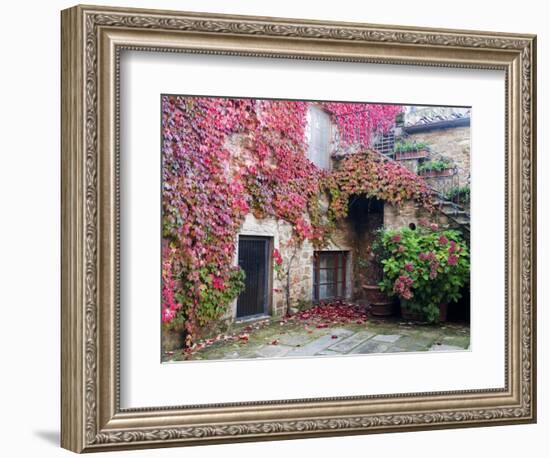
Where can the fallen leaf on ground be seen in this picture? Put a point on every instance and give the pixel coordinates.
(338, 312)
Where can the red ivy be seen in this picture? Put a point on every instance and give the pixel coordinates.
(374, 176)
(212, 178)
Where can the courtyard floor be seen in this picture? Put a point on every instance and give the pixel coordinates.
(339, 333)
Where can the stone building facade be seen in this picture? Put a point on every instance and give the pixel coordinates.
(307, 275)
(353, 237)
(293, 288)
(446, 130)
(451, 142)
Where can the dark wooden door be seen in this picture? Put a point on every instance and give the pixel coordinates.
(254, 260)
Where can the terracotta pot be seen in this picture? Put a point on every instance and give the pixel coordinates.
(373, 293)
(421, 154)
(437, 173)
(381, 304)
(443, 312)
(409, 315)
(382, 309)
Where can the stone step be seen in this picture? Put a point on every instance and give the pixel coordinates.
(448, 204)
(454, 212)
(463, 222)
(459, 219)
(456, 222)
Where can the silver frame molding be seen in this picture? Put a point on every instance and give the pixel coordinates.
(92, 40)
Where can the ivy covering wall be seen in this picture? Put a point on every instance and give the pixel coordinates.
(223, 158)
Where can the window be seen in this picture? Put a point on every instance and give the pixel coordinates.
(320, 133)
(329, 274)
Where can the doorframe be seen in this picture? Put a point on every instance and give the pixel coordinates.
(268, 301)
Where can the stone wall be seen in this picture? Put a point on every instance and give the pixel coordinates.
(299, 259)
(355, 235)
(397, 217)
(301, 268)
(411, 164)
(411, 213)
(277, 230)
(452, 143)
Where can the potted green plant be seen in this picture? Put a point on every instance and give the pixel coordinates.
(436, 168)
(459, 194)
(410, 150)
(426, 268)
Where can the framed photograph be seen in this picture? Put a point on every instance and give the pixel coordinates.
(278, 228)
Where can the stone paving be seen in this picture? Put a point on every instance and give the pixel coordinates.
(275, 339)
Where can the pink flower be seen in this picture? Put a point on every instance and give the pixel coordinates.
(453, 259)
(396, 238)
(452, 247)
(428, 256)
(443, 240)
(401, 249)
(409, 267)
(402, 286)
(434, 226)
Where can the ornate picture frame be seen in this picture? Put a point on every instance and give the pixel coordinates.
(92, 41)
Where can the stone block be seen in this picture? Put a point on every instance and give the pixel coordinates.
(349, 343)
(295, 340)
(272, 351)
(386, 338)
(457, 341)
(321, 343)
(415, 343)
(370, 347)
